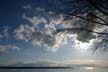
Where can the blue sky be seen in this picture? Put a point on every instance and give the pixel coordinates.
(25, 34)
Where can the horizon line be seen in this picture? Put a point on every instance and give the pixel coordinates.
(4, 67)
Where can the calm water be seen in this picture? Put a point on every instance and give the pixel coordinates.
(81, 69)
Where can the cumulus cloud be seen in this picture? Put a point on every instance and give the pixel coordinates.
(40, 33)
(24, 32)
(76, 22)
(55, 19)
(35, 20)
(52, 43)
(4, 48)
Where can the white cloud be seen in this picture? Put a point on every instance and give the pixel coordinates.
(27, 6)
(35, 20)
(38, 9)
(5, 31)
(56, 19)
(4, 48)
(56, 42)
(24, 32)
(49, 28)
(42, 38)
(52, 43)
(38, 36)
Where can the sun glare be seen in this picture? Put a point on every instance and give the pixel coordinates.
(89, 68)
(83, 46)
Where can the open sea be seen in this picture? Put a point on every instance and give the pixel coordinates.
(76, 69)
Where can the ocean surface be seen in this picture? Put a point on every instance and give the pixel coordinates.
(79, 69)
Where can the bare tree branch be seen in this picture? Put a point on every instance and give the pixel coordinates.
(72, 14)
(89, 20)
(99, 18)
(93, 4)
(78, 29)
(103, 6)
(90, 7)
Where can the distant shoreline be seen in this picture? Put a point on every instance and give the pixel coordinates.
(36, 67)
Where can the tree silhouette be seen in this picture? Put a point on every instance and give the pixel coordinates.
(93, 13)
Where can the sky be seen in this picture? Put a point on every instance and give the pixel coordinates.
(26, 35)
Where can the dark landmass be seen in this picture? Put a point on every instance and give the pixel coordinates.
(36, 67)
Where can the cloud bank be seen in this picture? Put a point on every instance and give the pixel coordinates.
(39, 30)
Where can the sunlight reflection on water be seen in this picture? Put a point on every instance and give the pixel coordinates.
(89, 68)
(77, 69)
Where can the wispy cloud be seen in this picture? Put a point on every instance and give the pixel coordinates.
(5, 31)
(4, 48)
(1, 36)
(28, 6)
(71, 63)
